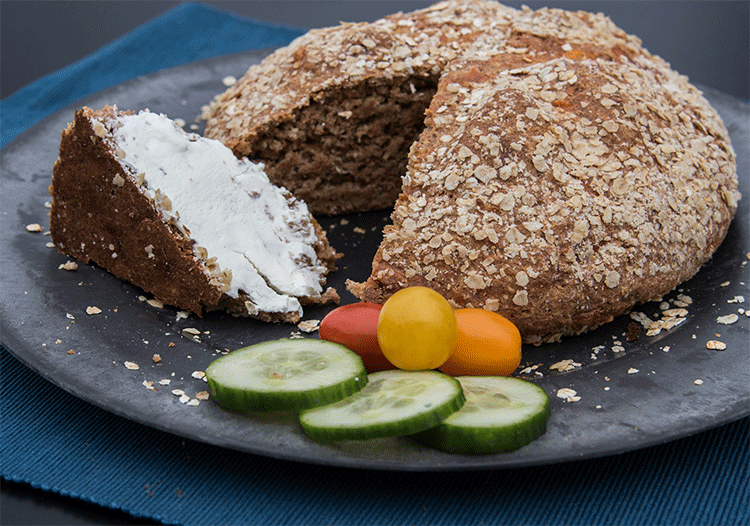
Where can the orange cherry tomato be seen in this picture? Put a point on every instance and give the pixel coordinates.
(487, 345)
(417, 329)
(355, 327)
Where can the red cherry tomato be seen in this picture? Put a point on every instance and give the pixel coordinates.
(355, 326)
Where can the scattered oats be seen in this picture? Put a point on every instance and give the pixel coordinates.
(34, 227)
(729, 319)
(58, 341)
(618, 348)
(71, 351)
(155, 303)
(132, 366)
(716, 345)
(737, 299)
(229, 80)
(632, 370)
(296, 336)
(359, 230)
(69, 266)
(198, 375)
(181, 314)
(149, 385)
(47, 204)
(666, 348)
(180, 122)
(641, 318)
(191, 330)
(141, 298)
(725, 284)
(156, 358)
(202, 395)
(309, 325)
(567, 394)
(69, 316)
(171, 344)
(178, 392)
(93, 310)
(698, 382)
(165, 381)
(184, 399)
(564, 366)
(683, 299)
(51, 245)
(194, 402)
(529, 369)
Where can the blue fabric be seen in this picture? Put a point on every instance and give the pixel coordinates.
(185, 34)
(56, 442)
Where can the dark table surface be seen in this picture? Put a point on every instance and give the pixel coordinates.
(39, 38)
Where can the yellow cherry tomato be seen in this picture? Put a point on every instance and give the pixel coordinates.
(487, 345)
(417, 329)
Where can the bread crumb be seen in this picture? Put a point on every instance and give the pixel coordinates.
(716, 345)
(309, 325)
(93, 310)
(34, 227)
(69, 266)
(155, 303)
(132, 366)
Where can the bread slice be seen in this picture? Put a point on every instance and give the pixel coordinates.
(181, 217)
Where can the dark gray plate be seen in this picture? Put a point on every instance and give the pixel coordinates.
(43, 316)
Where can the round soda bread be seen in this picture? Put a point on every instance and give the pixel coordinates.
(562, 174)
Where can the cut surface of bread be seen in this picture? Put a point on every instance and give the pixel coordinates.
(561, 176)
(333, 114)
(181, 217)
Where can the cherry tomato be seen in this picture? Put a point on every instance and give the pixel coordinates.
(355, 326)
(417, 329)
(487, 344)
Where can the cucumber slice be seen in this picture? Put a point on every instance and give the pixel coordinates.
(394, 403)
(501, 414)
(285, 375)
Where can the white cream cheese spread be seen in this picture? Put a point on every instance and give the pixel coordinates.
(260, 236)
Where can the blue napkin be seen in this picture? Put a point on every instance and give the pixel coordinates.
(185, 34)
(56, 442)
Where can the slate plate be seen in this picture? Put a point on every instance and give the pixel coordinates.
(644, 394)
